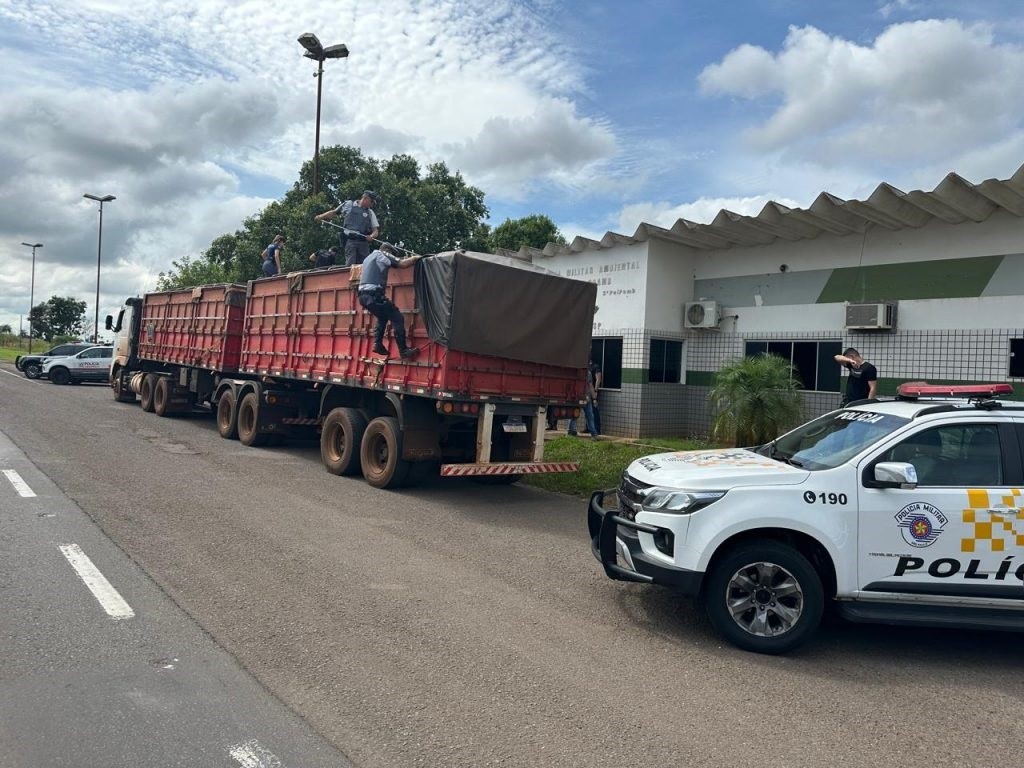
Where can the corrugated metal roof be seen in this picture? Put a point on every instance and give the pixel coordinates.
(955, 200)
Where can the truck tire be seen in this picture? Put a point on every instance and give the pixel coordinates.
(122, 393)
(227, 415)
(60, 375)
(32, 370)
(764, 597)
(380, 453)
(162, 397)
(341, 440)
(248, 421)
(146, 393)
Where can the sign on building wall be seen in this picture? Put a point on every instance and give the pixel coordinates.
(620, 275)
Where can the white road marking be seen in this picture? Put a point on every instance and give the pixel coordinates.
(19, 485)
(21, 378)
(112, 602)
(253, 755)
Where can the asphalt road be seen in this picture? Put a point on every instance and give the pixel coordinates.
(467, 625)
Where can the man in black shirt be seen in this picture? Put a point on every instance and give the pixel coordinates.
(862, 382)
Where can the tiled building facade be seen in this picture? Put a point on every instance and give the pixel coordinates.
(950, 261)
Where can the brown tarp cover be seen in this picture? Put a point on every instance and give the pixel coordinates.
(504, 307)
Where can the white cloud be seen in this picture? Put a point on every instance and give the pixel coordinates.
(921, 93)
(164, 106)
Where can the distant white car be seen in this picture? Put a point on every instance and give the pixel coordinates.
(92, 364)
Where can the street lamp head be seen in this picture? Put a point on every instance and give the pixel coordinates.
(33, 245)
(311, 43)
(339, 51)
(104, 199)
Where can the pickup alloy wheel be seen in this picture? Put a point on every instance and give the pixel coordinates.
(764, 597)
(60, 375)
(33, 370)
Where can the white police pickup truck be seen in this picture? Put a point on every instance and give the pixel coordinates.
(901, 511)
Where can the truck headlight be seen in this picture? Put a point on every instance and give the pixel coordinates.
(668, 500)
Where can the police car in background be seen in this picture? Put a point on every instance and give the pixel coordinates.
(32, 365)
(92, 364)
(901, 511)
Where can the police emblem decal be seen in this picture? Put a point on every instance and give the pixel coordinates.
(920, 523)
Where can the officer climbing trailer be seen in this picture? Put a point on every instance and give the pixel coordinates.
(500, 343)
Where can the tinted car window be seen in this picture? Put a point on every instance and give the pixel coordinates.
(965, 455)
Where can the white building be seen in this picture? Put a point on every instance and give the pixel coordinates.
(944, 269)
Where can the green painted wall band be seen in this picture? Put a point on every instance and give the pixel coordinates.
(942, 279)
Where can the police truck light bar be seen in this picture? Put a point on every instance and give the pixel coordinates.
(923, 389)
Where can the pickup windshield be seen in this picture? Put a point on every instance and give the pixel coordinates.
(832, 439)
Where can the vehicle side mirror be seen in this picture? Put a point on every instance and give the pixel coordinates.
(109, 324)
(895, 474)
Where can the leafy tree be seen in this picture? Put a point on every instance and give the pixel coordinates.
(534, 231)
(6, 328)
(755, 399)
(58, 316)
(428, 212)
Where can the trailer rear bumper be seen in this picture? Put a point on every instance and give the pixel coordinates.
(508, 468)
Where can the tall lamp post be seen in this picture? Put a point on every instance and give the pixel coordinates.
(99, 252)
(318, 53)
(32, 293)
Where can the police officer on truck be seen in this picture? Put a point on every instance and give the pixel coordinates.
(360, 223)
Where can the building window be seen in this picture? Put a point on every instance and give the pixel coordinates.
(1017, 358)
(608, 354)
(814, 361)
(666, 364)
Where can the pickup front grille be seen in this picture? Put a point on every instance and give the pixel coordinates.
(631, 494)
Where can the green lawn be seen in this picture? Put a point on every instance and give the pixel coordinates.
(7, 354)
(601, 461)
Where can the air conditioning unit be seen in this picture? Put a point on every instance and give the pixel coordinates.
(701, 314)
(871, 317)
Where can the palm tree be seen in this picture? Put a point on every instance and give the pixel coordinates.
(755, 399)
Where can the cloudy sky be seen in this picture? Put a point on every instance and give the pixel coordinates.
(197, 113)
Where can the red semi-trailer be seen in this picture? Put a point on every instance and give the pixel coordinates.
(500, 343)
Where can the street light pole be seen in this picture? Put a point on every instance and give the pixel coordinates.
(32, 293)
(315, 51)
(316, 149)
(99, 252)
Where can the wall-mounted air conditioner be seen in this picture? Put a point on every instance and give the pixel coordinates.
(871, 317)
(701, 314)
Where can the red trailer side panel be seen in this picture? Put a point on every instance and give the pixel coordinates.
(199, 327)
(310, 326)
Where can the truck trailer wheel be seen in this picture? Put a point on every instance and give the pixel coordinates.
(381, 454)
(341, 439)
(122, 393)
(146, 391)
(764, 597)
(227, 415)
(162, 397)
(248, 421)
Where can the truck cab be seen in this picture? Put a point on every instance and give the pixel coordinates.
(126, 336)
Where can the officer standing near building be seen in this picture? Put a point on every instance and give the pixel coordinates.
(373, 280)
(360, 223)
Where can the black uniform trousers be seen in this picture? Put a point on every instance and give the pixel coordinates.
(378, 305)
